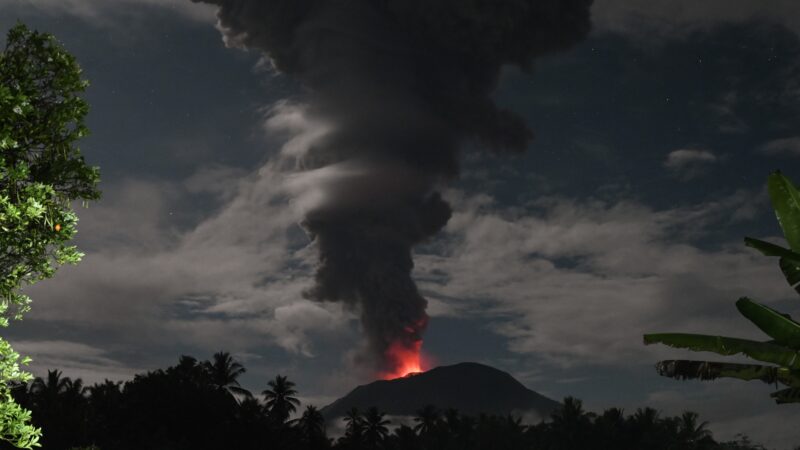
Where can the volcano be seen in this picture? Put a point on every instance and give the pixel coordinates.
(469, 387)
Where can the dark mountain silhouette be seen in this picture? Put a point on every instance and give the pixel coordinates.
(471, 388)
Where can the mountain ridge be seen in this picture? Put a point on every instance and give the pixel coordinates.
(471, 388)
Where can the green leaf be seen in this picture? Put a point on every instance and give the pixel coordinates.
(779, 327)
(789, 261)
(790, 395)
(786, 202)
(706, 370)
(761, 351)
(770, 249)
(791, 271)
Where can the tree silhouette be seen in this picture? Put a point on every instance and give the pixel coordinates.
(375, 430)
(570, 425)
(311, 426)
(46, 391)
(693, 434)
(426, 419)
(223, 372)
(180, 408)
(59, 406)
(405, 438)
(280, 402)
(354, 428)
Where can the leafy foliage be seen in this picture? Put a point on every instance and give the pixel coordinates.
(784, 348)
(41, 172)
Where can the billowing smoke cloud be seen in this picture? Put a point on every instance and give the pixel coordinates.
(400, 86)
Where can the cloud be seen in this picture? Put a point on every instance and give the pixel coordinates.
(689, 163)
(679, 159)
(73, 359)
(231, 278)
(675, 18)
(101, 10)
(787, 146)
(579, 282)
(736, 407)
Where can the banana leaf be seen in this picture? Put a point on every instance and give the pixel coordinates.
(770, 249)
(786, 202)
(791, 270)
(706, 370)
(789, 261)
(790, 395)
(762, 351)
(779, 327)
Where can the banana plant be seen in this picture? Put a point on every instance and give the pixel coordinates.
(783, 350)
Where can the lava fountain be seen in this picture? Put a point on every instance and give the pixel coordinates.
(406, 360)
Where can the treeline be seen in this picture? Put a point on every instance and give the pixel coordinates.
(200, 405)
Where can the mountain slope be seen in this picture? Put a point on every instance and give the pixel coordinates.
(471, 388)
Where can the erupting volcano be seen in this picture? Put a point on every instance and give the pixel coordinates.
(406, 360)
(395, 88)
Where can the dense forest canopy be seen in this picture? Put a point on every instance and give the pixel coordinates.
(200, 405)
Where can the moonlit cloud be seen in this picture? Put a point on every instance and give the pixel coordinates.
(679, 159)
(76, 360)
(579, 282)
(786, 147)
(689, 163)
(233, 279)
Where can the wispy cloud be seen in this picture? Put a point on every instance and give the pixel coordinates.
(789, 146)
(689, 163)
(579, 282)
(232, 280)
(73, 359)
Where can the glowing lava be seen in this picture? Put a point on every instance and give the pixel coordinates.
(404, 358)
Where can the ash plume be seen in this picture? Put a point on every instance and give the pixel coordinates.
(400, 85)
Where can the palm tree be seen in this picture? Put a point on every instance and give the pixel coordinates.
(646, 427)
(611, 427)
(375, 429)
(56, 406)
(691, 433)
(223, 373)
(249, 410)
(452, 419)
(47, 391)
(570, 424)
(426, 420)
(75, 388)
(354, 428)
(188, 370)
(405, 438)
(312, 426)
(280, 402)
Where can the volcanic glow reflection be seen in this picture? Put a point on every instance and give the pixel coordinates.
(405, 359)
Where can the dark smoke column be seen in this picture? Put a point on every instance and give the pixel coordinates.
(402, 84)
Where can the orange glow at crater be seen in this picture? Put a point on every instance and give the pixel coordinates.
(405, 360)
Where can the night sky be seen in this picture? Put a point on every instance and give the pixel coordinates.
(653, 138)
